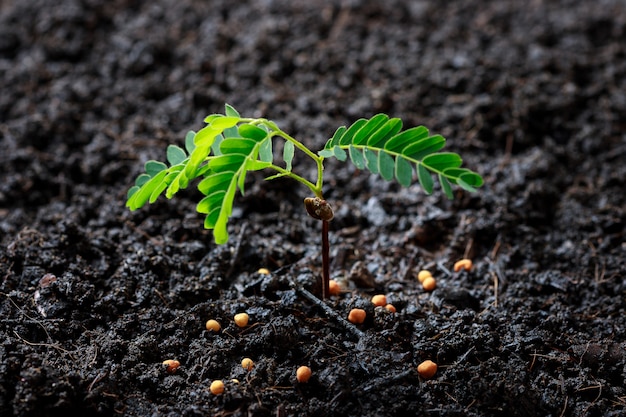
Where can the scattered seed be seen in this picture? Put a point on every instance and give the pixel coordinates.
(429, 284)
(213, 326)
(247, 364)
(465, 264)
(423, 274)
(171, 365)
(390, 308)
(333, 287)
(235, 381)
(356, 316)
(217, 387)
(427, 369)
(241, 319)
(379, 300)
(263, 271)
(303, 374)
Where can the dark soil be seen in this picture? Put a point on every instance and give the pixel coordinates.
(93, 297)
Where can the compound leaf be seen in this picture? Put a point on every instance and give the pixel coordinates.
(380, 145)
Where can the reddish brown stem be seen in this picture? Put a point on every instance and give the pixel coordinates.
(325, 261)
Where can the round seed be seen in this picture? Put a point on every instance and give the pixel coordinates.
(241, 319)
(303, 374)
(427, 369)
(213, 326)
(356, 316)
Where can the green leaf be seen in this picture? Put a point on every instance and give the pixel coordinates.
(471, 178)
(175, 155)
(237, 145)
(288, 152)
(347, 136)
(213, 182)
(157, 192)
(256, 165)
(334, 141)
(464, 178)
(366, 129)
(141, 196)
(142, 179)
(210, 202)
(217, 143)
(230, 111)
(132, 190)
(224, 122)
(339, 153)
(386, 131)
(356, 156)
(211, 219)
(189, 145)
(154, 167)
(403, 171)
(266, 153)
(228, 162)
(386, 166)
(423, 147)
(197, 157)
(326, 153)
(446, 187)
(227, 173)
(425, 179)
(177, 181)
(252, 132)
(371, 160)
(400, 141)
(440, 161)
(205, 136)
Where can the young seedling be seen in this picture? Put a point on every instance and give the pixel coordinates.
(229, 146)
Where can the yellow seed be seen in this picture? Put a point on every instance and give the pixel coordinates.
(241, 319)
(429, 284)
(217, 387)
(423, 274)
(235, 381)
(263, 271)
(247, 364)
(465, 264)
(390, 308)
(379, 300)
(356, 316)
(333, 287)
(427, 369)
(171, 365)
(303, 374)
(213, 326)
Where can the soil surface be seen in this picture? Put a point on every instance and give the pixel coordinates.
(94, 298)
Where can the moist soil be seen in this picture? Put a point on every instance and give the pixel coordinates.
(94, 298)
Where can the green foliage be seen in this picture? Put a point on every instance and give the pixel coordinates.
(380, 145)
(229, 146)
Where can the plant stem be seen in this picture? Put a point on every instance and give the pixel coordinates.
(325, 261)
